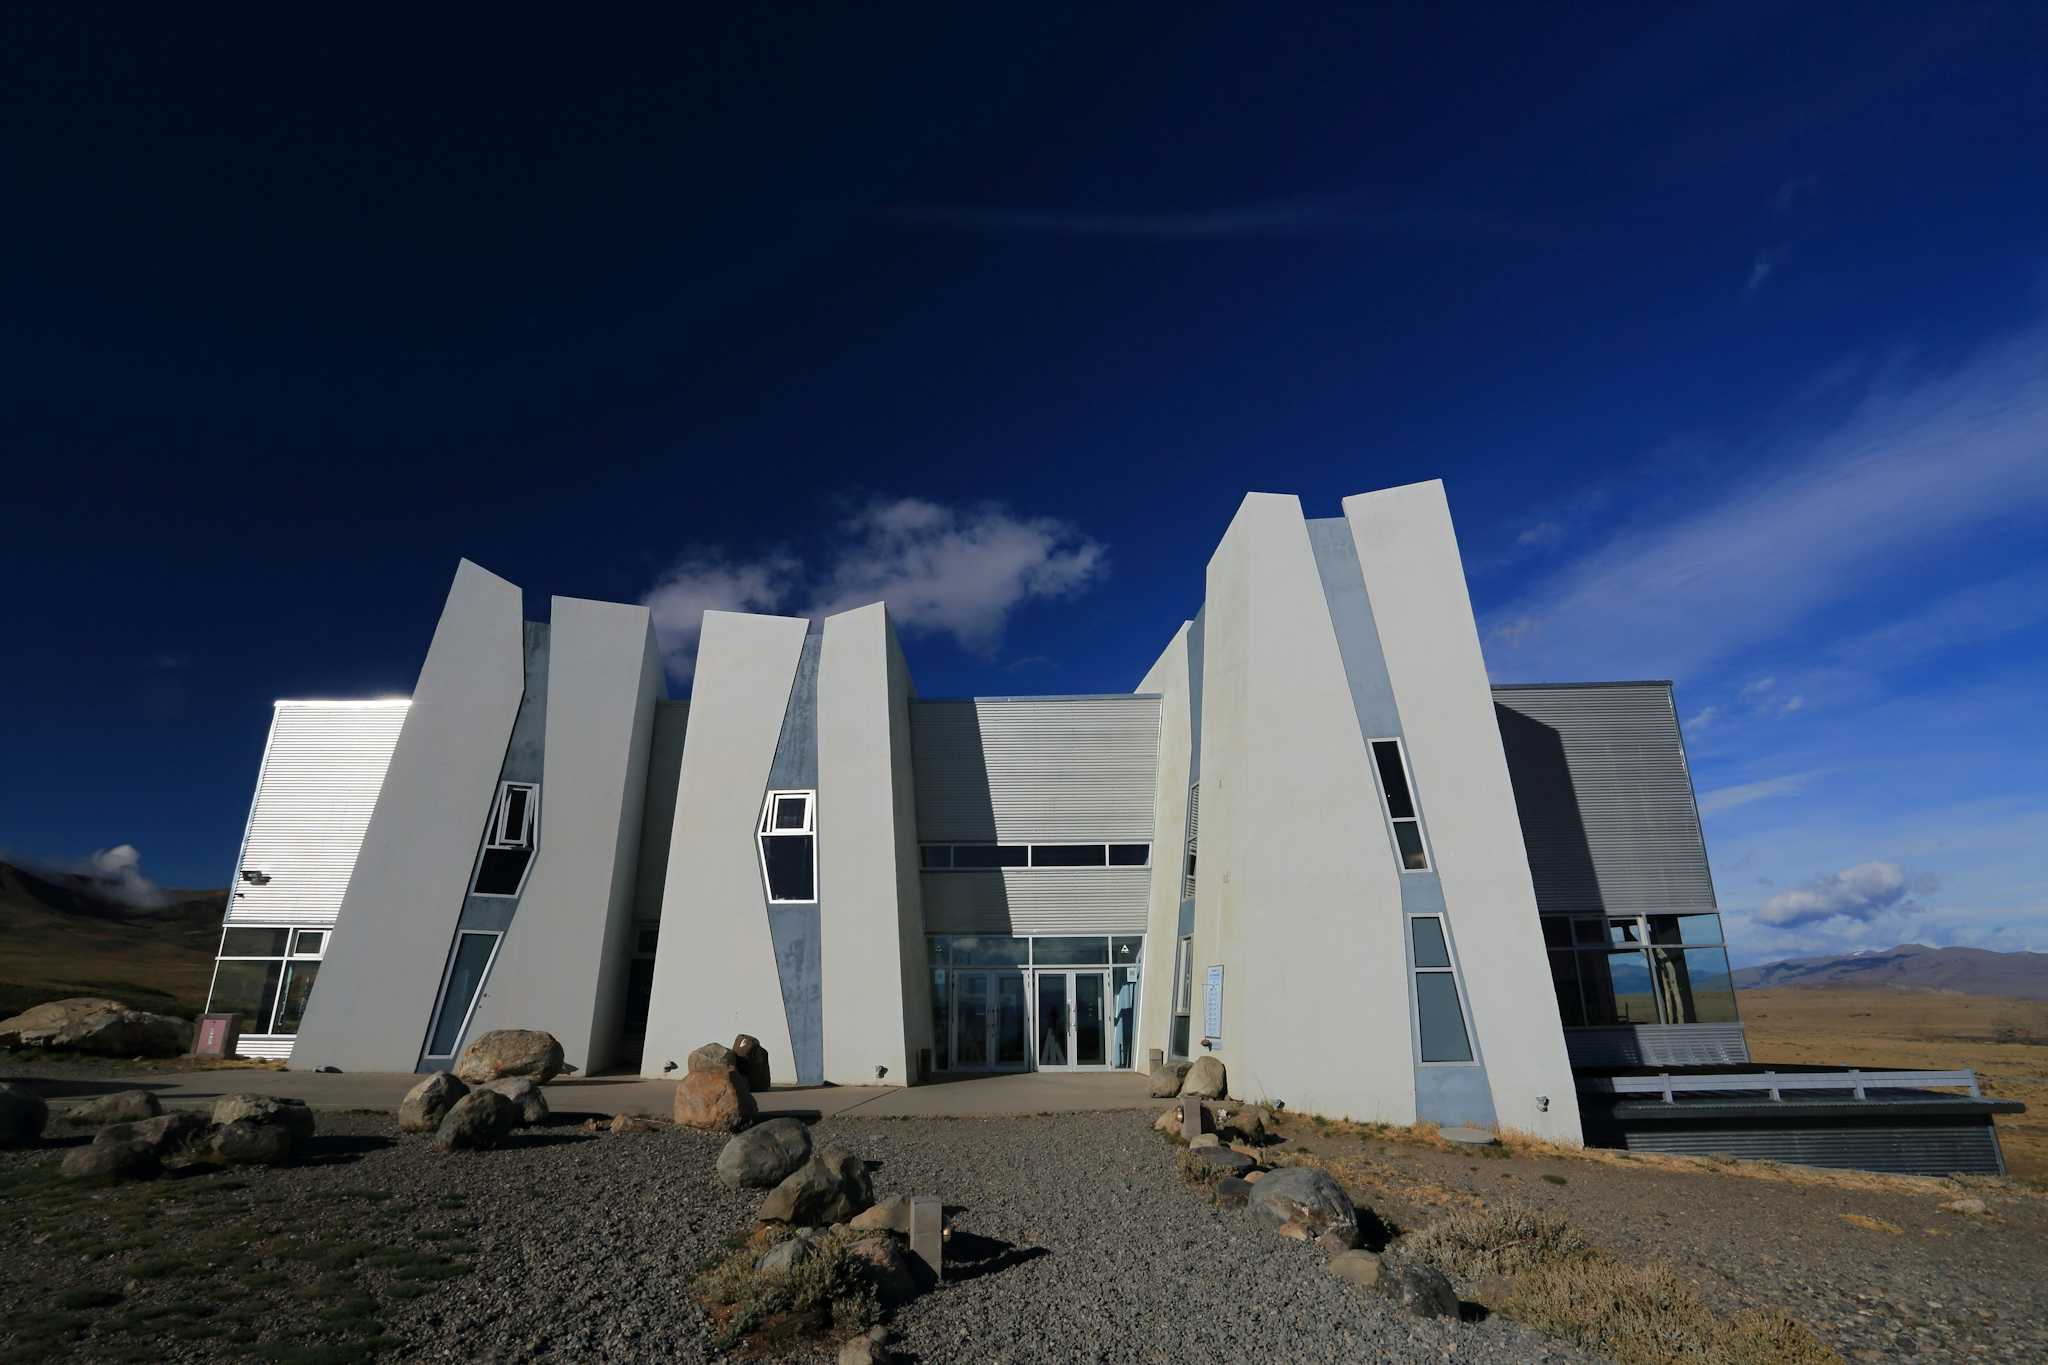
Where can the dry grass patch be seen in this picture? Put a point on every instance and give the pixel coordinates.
(1650, 1315)
(823, 1293)
(1504, 1239)
(1864, 1220)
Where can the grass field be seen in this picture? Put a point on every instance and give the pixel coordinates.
(2004, 1041)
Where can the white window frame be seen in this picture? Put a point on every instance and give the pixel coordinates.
(497, 937)
(1443, 924)
(1387, 808)
(527, 836)
(284, 960)
(1193, 830)
(327, 936)
(809, 831)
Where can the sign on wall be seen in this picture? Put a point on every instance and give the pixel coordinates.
(1212, 1008)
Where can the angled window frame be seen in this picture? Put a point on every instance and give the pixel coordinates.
(1457, 976)
(765, 830)
(1387, 805)
(500, 838)
(483, 979)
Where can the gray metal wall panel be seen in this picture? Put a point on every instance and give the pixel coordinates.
(1035, 769)
(1658, 1045)
(1605, 797)
(1964, 1145)
(1037, 900)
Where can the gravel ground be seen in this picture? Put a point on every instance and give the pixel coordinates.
(1077, 1241)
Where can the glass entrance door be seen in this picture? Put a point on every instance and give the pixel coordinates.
(989, 1022)
(1073, 1022)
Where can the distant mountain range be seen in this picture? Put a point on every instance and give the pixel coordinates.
(1912, 967)
(65, 933)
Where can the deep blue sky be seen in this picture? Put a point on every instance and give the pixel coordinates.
(1725, 331)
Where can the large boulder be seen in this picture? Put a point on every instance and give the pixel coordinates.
(713, 1058)
(764, 1155)
(830, 1188)
(882, 1264)
(751, 1059)
(269, 1111)
(168, 1134)
(715, 1101)
(511, 1052)
(427, 1103)
(123, 1106)
(248, 1142)
(1166, 1081)
(1249, 1123)
(22, 1116)
(482, 1118)
(526, 1096)
(1205, 1080)
(890, 1215)
(93, 1024)
(134, 1158)
(1304, 1203)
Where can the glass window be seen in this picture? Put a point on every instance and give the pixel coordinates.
(981, 950)
(298, 987)
(512, 827)
(1618, 988)
(1408, 835)
(1126, 949)
(942, 1022)
(982, 856)
(1624, 931)
(1590, 930)
(247, 990)
(1068, 855)
(1184, 976)
(1557, 932)
(1442, 1022)
(1685, 928)
(1178, 1042)
(936, 855)
(309, 943)
(502, 871)
(1693, 985)
(1393, 778)
(1129, 855)
(1430, 950)
(792, 812)
(648, 938)
(253, 943)
(465, 976)
(788, 861)
(1564, 978)
(1069, 952)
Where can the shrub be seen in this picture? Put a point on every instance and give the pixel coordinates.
(1503, 1239)
(824, 1292)
(1649, 1315)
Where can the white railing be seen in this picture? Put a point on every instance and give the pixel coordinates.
(1857, 1081)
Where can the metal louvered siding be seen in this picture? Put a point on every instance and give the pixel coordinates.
(1605, 798)
(1037, 900)
(1962, 1145)
(276, 1045)
(1658, 1045)
(1035, 769)
(322, 769)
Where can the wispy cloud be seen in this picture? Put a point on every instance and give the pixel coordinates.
(1338, 216)
(1761, 267)
(1857, 893)
(1742, 794)
(951, 571)
(115, 873)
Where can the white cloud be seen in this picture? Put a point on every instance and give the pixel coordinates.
(1857, 893)
(1706, 716)
(115, 873)
(944, 570)
(1761, 268)
(1728, 798)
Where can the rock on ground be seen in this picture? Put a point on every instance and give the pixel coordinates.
(96, 1025)
(752, 1060)
(166, 1134)
(1305, 1204)
(526, 1098)
(869, 1348)
(22, 1116)
(831, 1187)
(883, 1264)
(890, 1215)
(1422, 1291)
(714, 1101)
(511, 1052)
(102, 1160)
(427, 1103)
(1205, 1079)
(763, 1156)
(482, 1118)
(1361, 1268)
(1222, 1159)
(1166, 1081)
(249, 1142)
(712, 1057)
(294, 1116)
(125, 1106)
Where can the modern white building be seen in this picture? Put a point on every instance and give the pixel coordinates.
(1314, 841)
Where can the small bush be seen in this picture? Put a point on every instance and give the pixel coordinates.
(1198, 1173)
(824, 1292)
(1649, 1315)
(1503, 1239)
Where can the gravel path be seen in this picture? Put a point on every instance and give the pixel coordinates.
(1077, 1237)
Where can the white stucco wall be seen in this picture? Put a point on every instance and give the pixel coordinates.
(1409, 552)
(1302, 911)
(714, 966)
(861, 854)
(370, 1008)
(561, 965)
(1168, 678)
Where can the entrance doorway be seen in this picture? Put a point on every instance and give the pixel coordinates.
(991, 1030)
(1072, 1025)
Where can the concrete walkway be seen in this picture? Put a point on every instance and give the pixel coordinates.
(1036, 1092)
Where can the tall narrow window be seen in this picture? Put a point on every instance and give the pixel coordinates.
(789, 847)
(1187, 880)
(1400, 803)
(466, 972)
(1439, 1017)
(509, 838)
(1183, 997)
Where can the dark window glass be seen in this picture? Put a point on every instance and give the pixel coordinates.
(309, 943)
(253, 943)
(1693, 985)
(472, 955)
(987, 950)
(1129, 855)
(639, 995)
(1686, 929)
(500, 870)
(789, 812)
(1557, 932)
(1126, 949)
(1590, 930)
(1624, 931)
(298, 986)
(1069, 952)
(1564, 976)
(1430, 950)
(1443, 1023)
(990, 855)
(649, 939)
(936, 855)
(1177, 1045)
(1618, 989)
(1393, 780)
(942, 1022)
(788, 857)
(1067, 855)
(248, 990)
(514, 825)
(1408, 835)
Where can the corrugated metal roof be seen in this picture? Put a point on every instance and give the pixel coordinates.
(1035, 770)
(323, 766)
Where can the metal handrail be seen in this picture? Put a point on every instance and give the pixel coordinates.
(1854, 1079)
